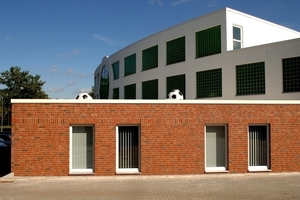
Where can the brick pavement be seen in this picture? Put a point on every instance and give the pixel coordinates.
(210, 186)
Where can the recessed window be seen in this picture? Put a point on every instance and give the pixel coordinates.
(115, 67)
(150, 58)
(150, 89)
(81, 149)
(130, 91)
(237, 37)
(104, 83)
(116, 93)
(291, 74)
(259, 147)
(215, 148)
(208, 42)
(128, 149)
(209, 83)
(250, 78)
(130, 65)
(176, 82)
(176, 51)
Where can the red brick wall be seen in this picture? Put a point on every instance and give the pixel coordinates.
(172, 135)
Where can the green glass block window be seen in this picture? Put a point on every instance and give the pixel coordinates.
(176, 82)
(209, 83)
(129, 92)
(150, 58)
(176, 51)
(115, 67)
(250, 78)
(291, 74)
(116, 93)
(130, 64)
(208, 42)
(150, 89)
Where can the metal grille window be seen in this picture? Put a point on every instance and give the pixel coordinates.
(176, 51)
(150, 89)
(208, 42)
(209, 83)
(116, 93)
(130, 65)
(130, 91)
(150, 58)
(237, 37)
(176, 82)
(215, 148)
(250, 79)
(115, 67)
(81, 149)
(258, 147)
(128, 148)
(291, 74)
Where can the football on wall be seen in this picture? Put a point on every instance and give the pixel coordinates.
(84, 96)
(176, 95)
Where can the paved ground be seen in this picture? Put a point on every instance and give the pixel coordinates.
(225, 186)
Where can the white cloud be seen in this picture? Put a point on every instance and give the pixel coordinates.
(99, 37)
(8, 38)
(70, 71)
(176, 3)
(159, 2)
(55, 89)
(77, 91)
(74, 52)
(211, 3)
(71, 83)
(54, 70)
(81, 74)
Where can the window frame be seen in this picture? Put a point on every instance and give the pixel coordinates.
(80, 171)
(216, 169)
(128, 170)
(237, 40)
(260, 167)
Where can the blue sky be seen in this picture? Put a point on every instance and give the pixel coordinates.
(65, 40)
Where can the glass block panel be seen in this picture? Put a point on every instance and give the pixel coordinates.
(237, 45)
(209, 83)
(208, 42)
(115, 67)
(130, 65)
(176, 82)
(130, 91)
(250, 78)
(291, 74)
(150, 58)
(150, 89)
(176, 51)
(116, 93)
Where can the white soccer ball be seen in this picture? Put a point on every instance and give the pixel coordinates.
(84, 96)
(176, 95)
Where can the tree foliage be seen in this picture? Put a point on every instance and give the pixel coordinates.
(17, 84)
(92, 92)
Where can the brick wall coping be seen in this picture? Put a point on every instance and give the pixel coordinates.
(163, 101)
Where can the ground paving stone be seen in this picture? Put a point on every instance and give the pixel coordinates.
(227, 186)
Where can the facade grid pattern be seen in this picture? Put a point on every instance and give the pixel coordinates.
(250, 78)
(209, 83)
(115, 67)
(130, 91)
(150, 58)
(130, 65)
(291, 74)
(176, 82)
(116, 93)
(208, 42)
(176, 51)
(150, 89)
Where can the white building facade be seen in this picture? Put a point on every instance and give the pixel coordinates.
(223, 55)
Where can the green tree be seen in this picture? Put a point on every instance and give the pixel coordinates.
(17, 84)
(92, 92)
